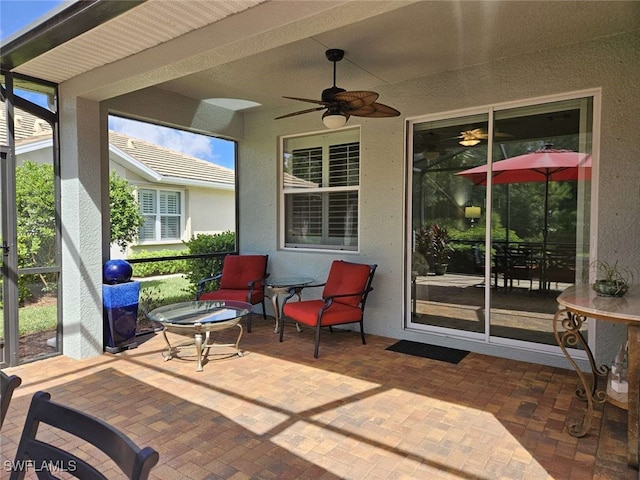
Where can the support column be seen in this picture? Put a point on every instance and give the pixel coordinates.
(82, 148)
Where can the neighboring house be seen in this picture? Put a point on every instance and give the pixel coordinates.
(180, 196)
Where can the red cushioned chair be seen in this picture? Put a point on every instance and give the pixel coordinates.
(343, 300)
(242, 279)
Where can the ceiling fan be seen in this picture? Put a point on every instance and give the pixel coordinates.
(340, 104)
(470, 138)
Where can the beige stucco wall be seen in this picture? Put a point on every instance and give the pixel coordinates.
(211, 211)
(608, 64)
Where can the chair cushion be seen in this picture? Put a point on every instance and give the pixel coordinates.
(239, 270)
(307, 312)
(234, 294)
(346, 277)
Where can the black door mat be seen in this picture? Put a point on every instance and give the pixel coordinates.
(434, 352)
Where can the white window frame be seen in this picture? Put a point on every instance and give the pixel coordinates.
(288, 189)
(158, 215)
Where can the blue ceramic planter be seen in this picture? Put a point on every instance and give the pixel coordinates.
(120, 303)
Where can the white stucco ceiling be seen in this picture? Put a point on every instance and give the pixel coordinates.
(260, 51)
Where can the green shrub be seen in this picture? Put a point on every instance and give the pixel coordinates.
(200, 268)
(164, 267)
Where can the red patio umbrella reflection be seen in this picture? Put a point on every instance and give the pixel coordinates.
(544, 165)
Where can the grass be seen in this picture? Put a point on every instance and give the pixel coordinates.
(154, 293)
(34, 319)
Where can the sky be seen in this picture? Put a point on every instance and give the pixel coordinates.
(17, 14)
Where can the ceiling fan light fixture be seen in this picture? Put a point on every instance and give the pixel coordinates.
(333, 119)
(469, 142)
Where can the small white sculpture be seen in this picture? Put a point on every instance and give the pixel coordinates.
(619, 370)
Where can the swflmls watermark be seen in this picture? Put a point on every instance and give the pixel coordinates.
(58, 466)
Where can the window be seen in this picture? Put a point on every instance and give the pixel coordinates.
(320, 187)
(162, 210)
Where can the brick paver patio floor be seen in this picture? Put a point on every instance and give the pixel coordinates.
(357, 412)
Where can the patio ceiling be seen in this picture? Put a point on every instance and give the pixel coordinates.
(259, 50)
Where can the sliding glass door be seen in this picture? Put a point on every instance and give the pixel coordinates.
(447, 225)
(500, 205)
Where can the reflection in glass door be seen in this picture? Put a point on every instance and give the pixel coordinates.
(541, 182)
(448, 226)
(492, 243)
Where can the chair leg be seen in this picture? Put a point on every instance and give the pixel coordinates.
(362, 332)
(317, 347)
(281, 327)
(264, 310)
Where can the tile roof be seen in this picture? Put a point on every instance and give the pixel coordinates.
(28, 128)
(163, 161)
(170, 163)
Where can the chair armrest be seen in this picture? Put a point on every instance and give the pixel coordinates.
(328, 300)
(252, 283)
(297, 290)
(331, 297)
(202, 282)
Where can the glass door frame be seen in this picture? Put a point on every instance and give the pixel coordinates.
(486, 337)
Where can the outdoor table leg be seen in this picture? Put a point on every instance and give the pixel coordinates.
(276, 305)
(168, 355)
(198, 340)
(571, 323)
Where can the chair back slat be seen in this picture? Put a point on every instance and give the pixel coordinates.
(134, 462)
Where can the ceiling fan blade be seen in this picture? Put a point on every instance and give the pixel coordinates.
(476, 134)
(374, 110)
(356, 99)
(501, 135)
(309, 110)
(481, 134)
(309, 100)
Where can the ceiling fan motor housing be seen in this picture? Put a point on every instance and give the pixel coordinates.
(328, 94)
(334, 54)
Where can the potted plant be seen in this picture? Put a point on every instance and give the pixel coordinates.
(419, 264)
(434, 243)
(612, 280)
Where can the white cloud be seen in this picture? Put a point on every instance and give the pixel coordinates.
(194, 145)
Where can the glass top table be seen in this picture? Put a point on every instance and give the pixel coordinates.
(199, 318)
(281, 285)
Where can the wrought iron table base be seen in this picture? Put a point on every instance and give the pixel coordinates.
(576, 304)
(571, 337)
(277, 312)
(202, 345)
